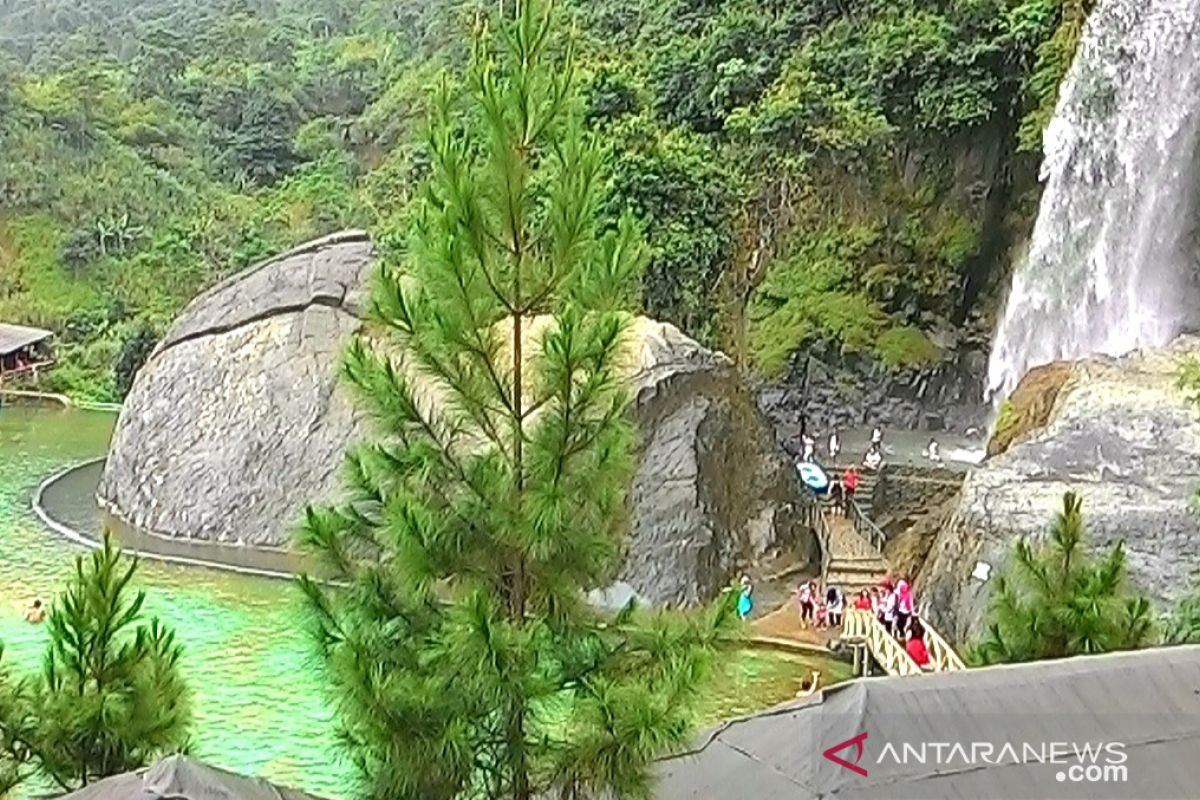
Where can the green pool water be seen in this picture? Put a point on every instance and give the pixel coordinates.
(258, 699)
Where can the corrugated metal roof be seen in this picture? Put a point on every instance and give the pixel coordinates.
(14, 337)
(181, 778)
(1146, 704)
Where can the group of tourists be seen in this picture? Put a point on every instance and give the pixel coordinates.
(895, 606)
(892, 603)
(873, 459)
(842, 490)
(820, 610)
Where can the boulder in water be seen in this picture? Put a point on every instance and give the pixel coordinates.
(237, 420)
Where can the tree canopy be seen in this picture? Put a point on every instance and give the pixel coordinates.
(153, 147)
(464, 656)
(110, 697)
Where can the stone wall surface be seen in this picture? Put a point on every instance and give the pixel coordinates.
(238, 420)
(1122, 435)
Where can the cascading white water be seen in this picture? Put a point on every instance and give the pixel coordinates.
(1108, 262)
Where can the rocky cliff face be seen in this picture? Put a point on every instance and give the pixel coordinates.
(1121, 434)
(237, 421)
(982, 178)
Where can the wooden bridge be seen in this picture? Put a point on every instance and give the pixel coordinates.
(852, 559)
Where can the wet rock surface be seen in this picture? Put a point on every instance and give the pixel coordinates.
(1122, 435)
(842, 393)
(237, 421)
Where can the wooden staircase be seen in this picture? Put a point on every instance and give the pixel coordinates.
(854, 564)
(863, 629)
(853, 560)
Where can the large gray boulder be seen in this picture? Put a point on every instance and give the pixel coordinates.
(1117, 431)
(238, 420)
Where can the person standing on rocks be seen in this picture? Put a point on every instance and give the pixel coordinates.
(810, 449)
(873, 460)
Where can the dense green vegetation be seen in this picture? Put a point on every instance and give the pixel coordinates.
(1054, 599)
(463, 655)
(110, 697)
(804, 171)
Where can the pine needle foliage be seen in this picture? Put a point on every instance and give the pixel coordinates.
(111, 697)
(1183, 625)
(1054, 600)
(462, 654)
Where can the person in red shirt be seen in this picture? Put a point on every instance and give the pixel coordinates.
(863, 603)
(849, 485)
(915, 646)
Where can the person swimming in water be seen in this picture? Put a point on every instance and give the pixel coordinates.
(36, 613)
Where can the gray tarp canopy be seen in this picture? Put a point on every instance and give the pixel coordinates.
(15, 337)
(181, 778)
(1147, 701)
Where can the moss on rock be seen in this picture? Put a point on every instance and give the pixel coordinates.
(1030, 405)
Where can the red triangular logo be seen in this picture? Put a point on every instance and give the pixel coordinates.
(857, 741)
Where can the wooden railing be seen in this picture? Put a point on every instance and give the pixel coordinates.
(942, 657)
(866, 528)
(815, 519)
(862, 626)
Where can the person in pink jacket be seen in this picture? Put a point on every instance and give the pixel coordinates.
(904, 607)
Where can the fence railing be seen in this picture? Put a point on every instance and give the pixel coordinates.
(862, 626)
(866, 528)
(815, 519)
(942, 657)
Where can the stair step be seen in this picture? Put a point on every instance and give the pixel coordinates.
(874, 568)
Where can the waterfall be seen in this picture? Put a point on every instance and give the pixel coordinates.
(1108, 265)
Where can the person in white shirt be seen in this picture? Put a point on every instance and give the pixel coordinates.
(877, 436)
(806, 598)
(873, 460)
(835, 446)
(889, 609)
(835, 604)
(933, 451)
(810, 448)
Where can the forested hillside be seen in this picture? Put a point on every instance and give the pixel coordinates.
(835, 173)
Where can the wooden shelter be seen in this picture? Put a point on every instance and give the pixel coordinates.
(23, 351)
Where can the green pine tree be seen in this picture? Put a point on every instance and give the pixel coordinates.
(1054, 600)
(110, 697)
(1183, 626)
(16, 724)
(462, 654)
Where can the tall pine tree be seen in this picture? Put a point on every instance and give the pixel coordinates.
(463, 656)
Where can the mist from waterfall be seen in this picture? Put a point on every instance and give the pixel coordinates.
(1109, 261)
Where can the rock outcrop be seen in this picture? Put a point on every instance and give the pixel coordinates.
(237, 420)
(1121, 434)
